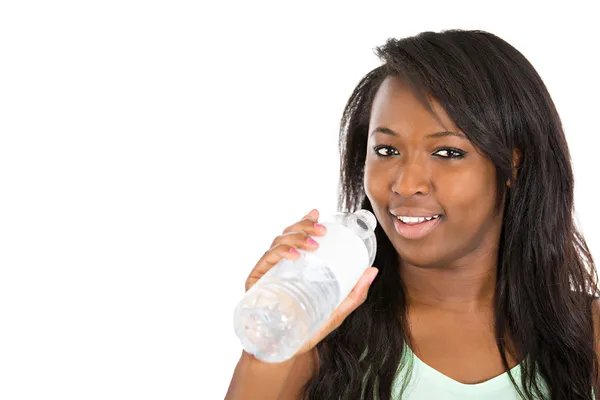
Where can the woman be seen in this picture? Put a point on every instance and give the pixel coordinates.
(485, 289)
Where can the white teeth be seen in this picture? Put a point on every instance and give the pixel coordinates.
(416, 220)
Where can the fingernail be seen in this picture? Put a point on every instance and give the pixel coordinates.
(293, 251)
(319, 226)
(311, 241)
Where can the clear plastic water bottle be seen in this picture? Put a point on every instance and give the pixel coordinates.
(295, 297)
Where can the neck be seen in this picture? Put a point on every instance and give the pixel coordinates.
(466, 286)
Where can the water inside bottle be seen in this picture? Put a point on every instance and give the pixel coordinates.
(276, 320)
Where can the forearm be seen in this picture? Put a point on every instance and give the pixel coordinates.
(254, 379)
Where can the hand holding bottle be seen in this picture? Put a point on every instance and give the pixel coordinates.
(299, 236)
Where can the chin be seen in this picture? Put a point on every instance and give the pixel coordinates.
(419, 258)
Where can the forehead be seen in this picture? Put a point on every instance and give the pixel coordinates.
(395, 104)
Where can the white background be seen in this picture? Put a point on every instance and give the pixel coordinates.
(151, 151)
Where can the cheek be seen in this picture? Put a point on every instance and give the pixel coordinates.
(470, 197)
(375, 183)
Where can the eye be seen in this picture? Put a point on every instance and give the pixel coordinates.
(385, 151)
(450, 153)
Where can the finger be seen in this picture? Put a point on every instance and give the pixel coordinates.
(274, 255)
(269, 260)
(313, 214)
(299, 240)
(306, 225)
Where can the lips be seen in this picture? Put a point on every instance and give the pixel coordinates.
(416, 231)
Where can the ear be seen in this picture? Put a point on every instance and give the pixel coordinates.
(516, 163)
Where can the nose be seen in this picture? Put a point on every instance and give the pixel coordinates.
(411, 178)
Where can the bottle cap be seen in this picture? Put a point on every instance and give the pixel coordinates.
(367, 217)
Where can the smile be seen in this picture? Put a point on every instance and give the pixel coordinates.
(416, 227)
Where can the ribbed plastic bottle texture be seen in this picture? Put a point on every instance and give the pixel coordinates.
(295, 297)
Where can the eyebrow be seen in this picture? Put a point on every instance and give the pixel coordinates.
(388, 131)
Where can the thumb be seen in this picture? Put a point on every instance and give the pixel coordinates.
(349, 304)
(357, 296)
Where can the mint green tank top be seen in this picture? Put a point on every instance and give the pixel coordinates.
(423, 382)
(416, 380)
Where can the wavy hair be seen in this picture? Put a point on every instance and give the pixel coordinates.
(546, 278)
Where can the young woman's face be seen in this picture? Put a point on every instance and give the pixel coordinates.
(412, 170)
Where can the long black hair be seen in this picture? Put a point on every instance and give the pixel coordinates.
(546, 278)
